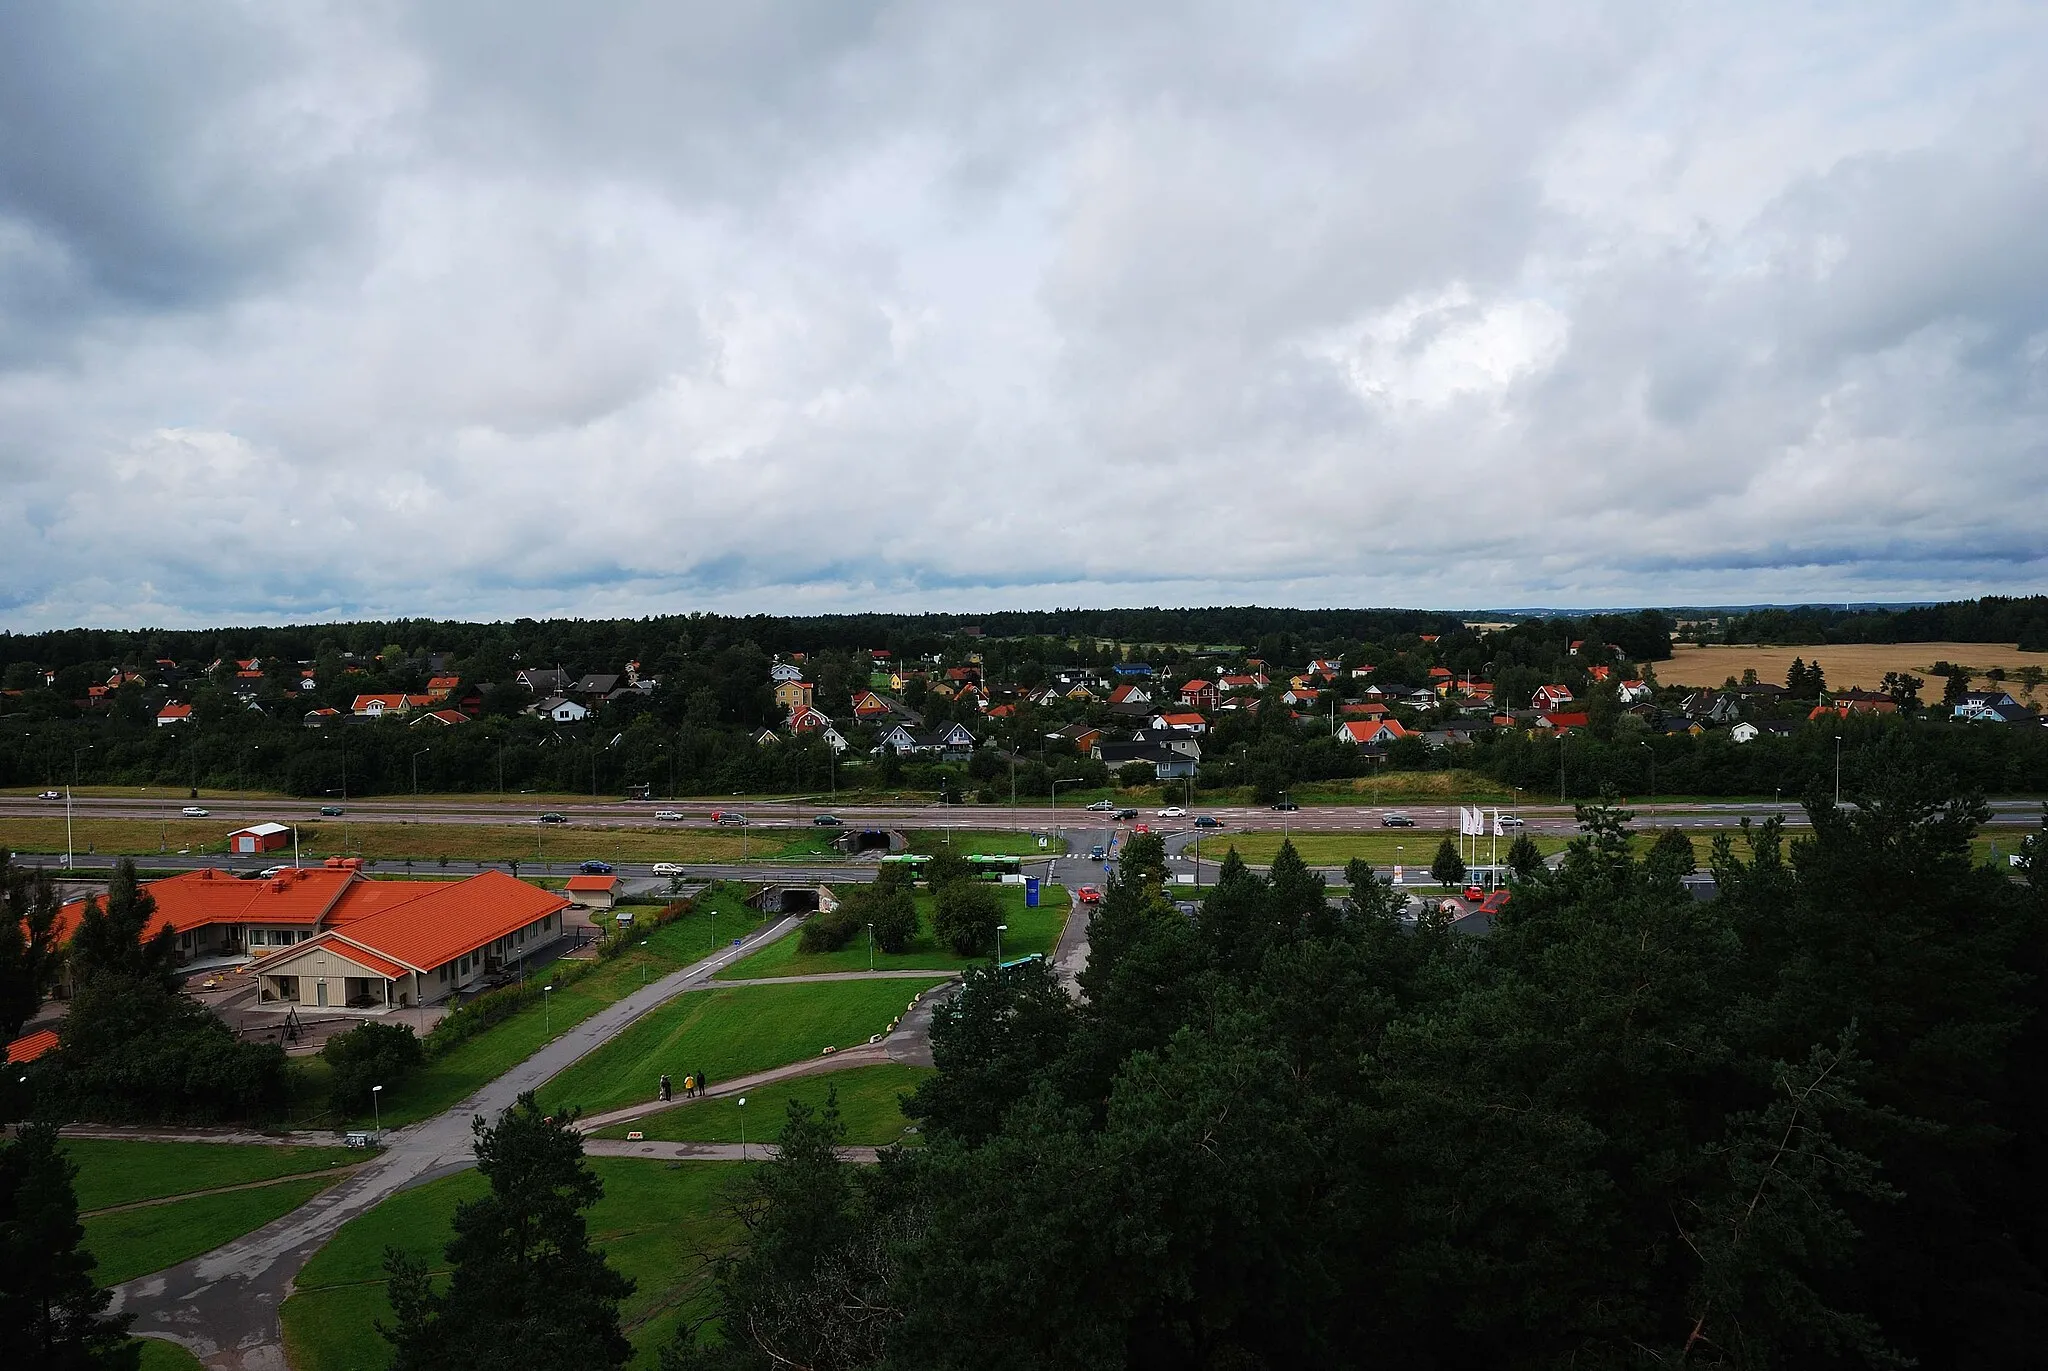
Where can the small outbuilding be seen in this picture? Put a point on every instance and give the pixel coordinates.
(593, 892)
(259, 838)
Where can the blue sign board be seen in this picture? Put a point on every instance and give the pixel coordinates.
(1031, 892)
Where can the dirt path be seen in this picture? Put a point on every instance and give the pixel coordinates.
(336, 1172)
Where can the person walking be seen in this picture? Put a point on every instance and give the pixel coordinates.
(664, 1087)
(700, 1083)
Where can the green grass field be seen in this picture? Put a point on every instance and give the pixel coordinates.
(1415, 848)
(446, 1079)
(114, 1172)
(867, 1106)
(158, 1355)
(989, 842)
(1029, 930)
(135, 1242)
(655, 1223)
(729, 1031)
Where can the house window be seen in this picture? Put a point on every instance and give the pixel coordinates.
(444, 975)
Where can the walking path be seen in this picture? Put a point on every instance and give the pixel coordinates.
(331, 1173)
(223, 1305)
(323, 1137)
(707, 1152)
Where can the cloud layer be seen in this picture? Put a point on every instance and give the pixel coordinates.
(496, 309)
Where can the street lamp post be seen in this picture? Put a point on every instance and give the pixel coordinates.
(416, 782)
(1068, 780)
(999, 943)
(377, 1110)
(547, 1010)
(1838, 771)
(743, 1128)
(1653, 780)
(68, 845)
(871, 947)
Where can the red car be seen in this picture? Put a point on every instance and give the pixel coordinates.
(1475, 893)
(1088, 894)
(1142, 828)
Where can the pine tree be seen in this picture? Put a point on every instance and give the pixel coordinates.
(52, 1316)
(526, 1289)
(28, 952)
(1449, 866)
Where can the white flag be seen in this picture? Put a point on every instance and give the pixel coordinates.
(1471, 820)
(1498, 831)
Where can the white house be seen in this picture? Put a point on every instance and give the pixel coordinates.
(785, 671)
(561, 711)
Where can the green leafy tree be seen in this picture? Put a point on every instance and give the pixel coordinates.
(990, 1041)
(525, 1289)
(52, 1316)
(889, 908)
(113, 937)
(1672, 854)
(28, 946)
(1448, 866)
(965, 916)
(1524, 857)
(369, 1055)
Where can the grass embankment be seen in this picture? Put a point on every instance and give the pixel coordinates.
(458, 1073)
(159, 1355)
(134, 1242)
(987, 842)
(868, 1106)
(1418, 848)
(726, 1032)
(426, 843)
(1029, 930)
(655, 1223)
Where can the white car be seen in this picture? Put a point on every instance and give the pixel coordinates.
(674, 816)
(1511, 821)
(668, 869)
(51, 795)
(195, 812)
(1173, 812)
(1104, 806)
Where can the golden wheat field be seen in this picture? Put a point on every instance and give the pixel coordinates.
(1846, 664)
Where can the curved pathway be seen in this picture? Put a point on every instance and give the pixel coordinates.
(223, 1305)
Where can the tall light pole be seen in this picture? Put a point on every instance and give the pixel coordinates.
(743, 1128)
(67, 802)
(999, 942)
(416, 782)
(1653, 779)
(1838, 771)
(377, 1110)
(547, 1010)
(871, 947)
(1069, 780)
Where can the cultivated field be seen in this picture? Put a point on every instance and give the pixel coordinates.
(1846, 664)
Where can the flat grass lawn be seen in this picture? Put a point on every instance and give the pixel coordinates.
(729, 1031)
(159, 1355)
(135, 1242)
(1030, 930)
(1418, 848)
(445, 1080)
(988, 842)
(655, 1223)
(112, 1172)
(868, 1107)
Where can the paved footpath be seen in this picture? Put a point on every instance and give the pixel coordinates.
(223, 1305)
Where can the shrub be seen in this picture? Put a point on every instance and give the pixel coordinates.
(370, 1055)
(827, 932)
(967, 915)
(890, 908)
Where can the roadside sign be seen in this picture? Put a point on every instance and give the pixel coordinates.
(1031, 892)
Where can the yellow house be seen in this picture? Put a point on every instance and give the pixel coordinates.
(793, 695)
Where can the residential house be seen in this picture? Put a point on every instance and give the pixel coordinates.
(1199, 694)
(765, 736)
(397, 706)
(1301, 697)
(1130, 693)
(443, 718)
(1744, 732)
(441, 687)
(1551, 697)
(948, 742)
(792, 696)
(1422, 697)
(785, 671)
(173, 714)
(593, 892)
(1599, 673)
(1081, 736)
(1181, 722)
(1170, 761)
(560, 710)
(1748, 731)
(321, 717)
(1562, 721)
(1634, 692)
(1370, 732)
(1240, 682)
(1325, 668)
(1133, 669)
(1678, 724)
(544, 682)
(1989, 707)
(1364, 709)
(330, 938)
(596, 687)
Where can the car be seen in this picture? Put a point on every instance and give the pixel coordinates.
(828, 821)
(1141, 828)
(51, 795)
(1173, 812)
(669, 816)
(668, 868)
(330, 811)
(1475, 893)
(732, 818)
(195, 812)
(1088, 894)
(1104, 806)
(1396, 819)
(553, 818)
(596, 868)
(1208, 821)
(1509, 821)
(1123, 815)
(1098, 853)
(1287, 806)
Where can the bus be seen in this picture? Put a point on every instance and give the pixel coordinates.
(995, 868)
(912, 860)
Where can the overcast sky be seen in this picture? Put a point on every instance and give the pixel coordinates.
(493, 309)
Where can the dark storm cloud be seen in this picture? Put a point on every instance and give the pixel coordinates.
(519, 308)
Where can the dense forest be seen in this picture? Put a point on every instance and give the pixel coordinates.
(1993, 619)
(1801, 1124)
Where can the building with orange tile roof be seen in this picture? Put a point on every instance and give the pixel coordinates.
(30, 1046)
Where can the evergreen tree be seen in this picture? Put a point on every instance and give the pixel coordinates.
(52, 1316)
(28, 950)
(526, 1289)
(1448, 867)
(113, 935)
(1524, 857)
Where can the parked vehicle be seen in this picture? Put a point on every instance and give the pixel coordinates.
(1475, 893)
(828, 821)
(1173, 812)
(1208, 821)
(671, 816)
(269, 872)
(330, 811)
(1088, 894)
(554, 818)
(1396, 819)
(596, 868)
(668, 868)
(1141, 828)
(195, 812)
